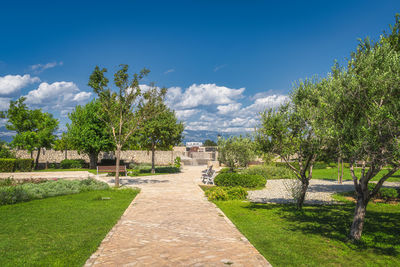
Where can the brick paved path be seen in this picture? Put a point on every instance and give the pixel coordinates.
(170, 223)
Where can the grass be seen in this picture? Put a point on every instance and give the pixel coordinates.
(331, 174)
(318, 235)
(59, 231)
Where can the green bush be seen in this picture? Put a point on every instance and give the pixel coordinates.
(216, 193)
(177, 162)
(7, 165)
(237, 192)
(384, 192)
(238, 179)
(110, 162)
(72, 164)
(29, 191)
(226, 170)
(23, 165)
(226, 193)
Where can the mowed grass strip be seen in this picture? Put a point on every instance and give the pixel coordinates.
(318, 236)
(331, 174)
(59, 231)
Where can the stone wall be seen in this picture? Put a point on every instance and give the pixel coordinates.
(129, 156)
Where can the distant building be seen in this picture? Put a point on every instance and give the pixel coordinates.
(194, 144)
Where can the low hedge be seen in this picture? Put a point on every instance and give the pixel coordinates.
(384, 193)
(239, 179)
(12, 165)
(270, 172)
(30, 191)
(72, 164)
(226, 193)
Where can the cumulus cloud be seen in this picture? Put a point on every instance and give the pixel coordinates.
(186, 113)
(38, 68)
(226, 109)
(4, 103)
(202, 95)
(62, 96)
(260, 104)
(10, 84)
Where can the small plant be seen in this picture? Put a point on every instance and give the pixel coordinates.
(177, 162)
(237, 192)
(216, 193)
(238, 179)
(72, 164)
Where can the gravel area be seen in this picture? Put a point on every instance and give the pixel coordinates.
(319, 191)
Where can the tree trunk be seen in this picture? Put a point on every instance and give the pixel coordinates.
(338, 170)
(37, 159)
(358, 220)
(341, 176)
(153, 155)
(118, 155)
(93, 157)
(66, 154)
(302, 194)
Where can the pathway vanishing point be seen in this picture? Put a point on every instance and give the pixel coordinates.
(171, 223)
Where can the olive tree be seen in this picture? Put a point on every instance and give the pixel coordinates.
(236, 151)
(364, 108)
(290, 132)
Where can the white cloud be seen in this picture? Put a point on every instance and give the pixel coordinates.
(202, 95)
(38, 68)
(227, 109)
(186, 113)
(62, 96)
(10, 84)
(217, 68)
(260, 104)
(169, 71)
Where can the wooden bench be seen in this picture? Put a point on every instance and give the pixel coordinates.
(122, 168)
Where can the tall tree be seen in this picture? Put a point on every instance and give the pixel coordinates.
(35, 129)
(160, 132)
(365, 114)
(124, 109)
(236, 151)
(63, 144)
(88, 133)
(290, 132)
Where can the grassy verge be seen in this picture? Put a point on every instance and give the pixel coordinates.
(59, 231)
(318, 236)
(331, 174)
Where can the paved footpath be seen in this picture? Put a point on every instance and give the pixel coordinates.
(170, 223)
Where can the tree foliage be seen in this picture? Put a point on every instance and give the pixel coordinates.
(236, 151)
(34, 129)
(87, 132)
(209, 142)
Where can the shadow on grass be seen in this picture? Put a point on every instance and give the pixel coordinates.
(381, 230)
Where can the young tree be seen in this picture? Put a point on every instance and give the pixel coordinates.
(63, 144)
(35, 129)
(365, 114)
(290, 132)
(124, 109)
(161, 132)
(88, 133)
(236, 151)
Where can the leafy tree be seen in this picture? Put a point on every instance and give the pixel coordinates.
(35, 129)
(161, 132)
(63, 144)
(290, 132)
(5, 152)
(87, 132)
(236, 151)
(209, 142)
(364, 106)
(124, 109)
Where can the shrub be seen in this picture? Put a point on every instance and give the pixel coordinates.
(227, 170)
(216, 193)
(72, 164)
(23, 165)
(110, 162)
(237, 179)
(177, 162)
(7, 182)
(29, 191)
(7, 165)
(384, 192)
(237, 192)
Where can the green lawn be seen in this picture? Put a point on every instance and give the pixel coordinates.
(59, 231)
(331, 174)
(317, 237)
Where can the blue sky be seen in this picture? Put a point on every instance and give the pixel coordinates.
(223, 61)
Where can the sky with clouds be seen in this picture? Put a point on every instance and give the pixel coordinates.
(223, 61)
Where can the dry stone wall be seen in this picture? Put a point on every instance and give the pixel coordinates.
(129, 156)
